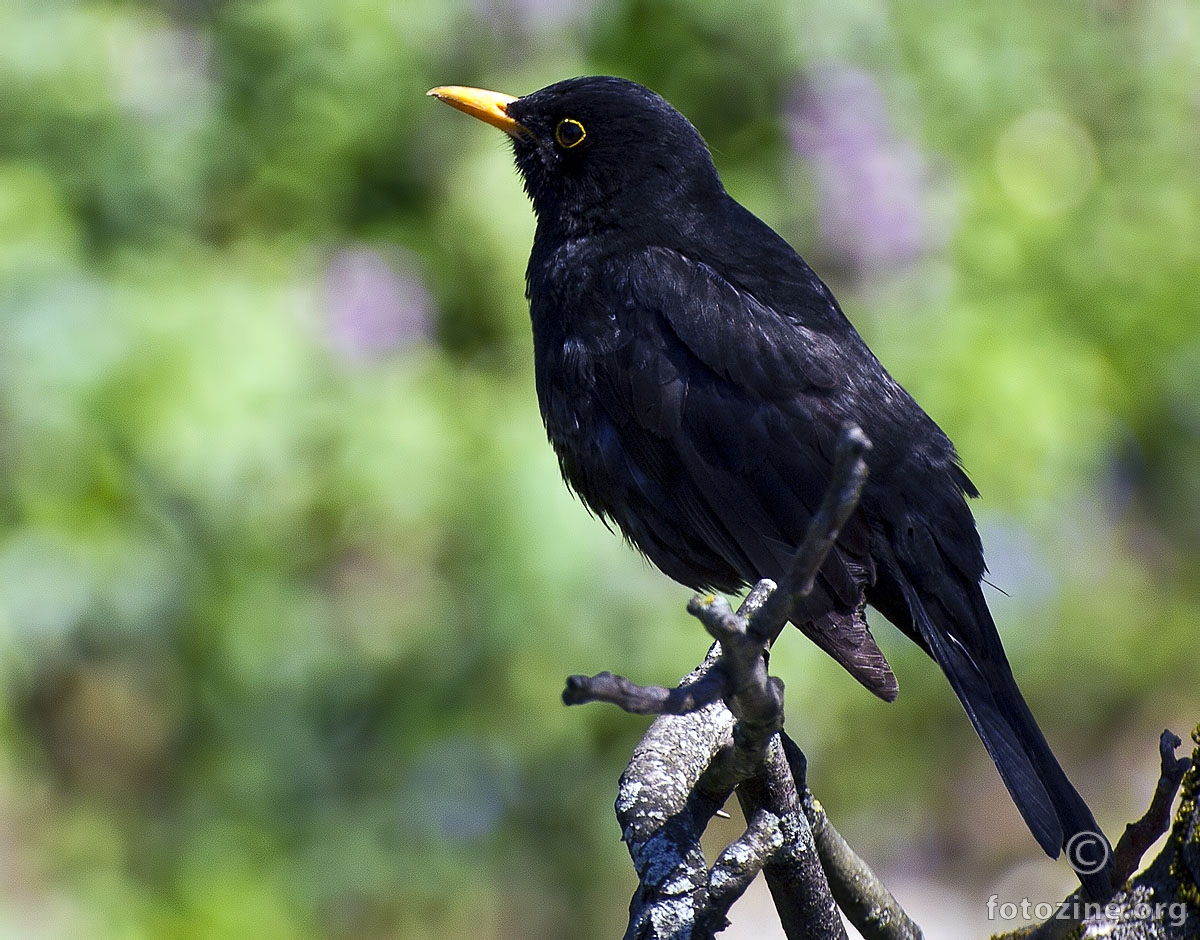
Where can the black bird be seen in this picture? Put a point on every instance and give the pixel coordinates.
(694, 375)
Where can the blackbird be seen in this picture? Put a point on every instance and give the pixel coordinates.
(694, 375)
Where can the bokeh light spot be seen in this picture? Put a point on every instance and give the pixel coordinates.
(1046, 162)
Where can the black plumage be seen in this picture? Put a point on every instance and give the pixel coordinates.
(694, 374)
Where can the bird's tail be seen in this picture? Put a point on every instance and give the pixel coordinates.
(974, 662)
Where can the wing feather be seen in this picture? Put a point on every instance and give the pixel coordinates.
(721, 407)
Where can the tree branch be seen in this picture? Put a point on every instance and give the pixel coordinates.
(862, 896)
(719, 732)
(1163, 902)
(1140, 835)
(802, 894)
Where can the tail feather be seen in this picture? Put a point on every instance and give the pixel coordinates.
(982, 679)
(1003, 741)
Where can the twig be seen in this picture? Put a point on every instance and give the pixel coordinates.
(1141, 908)
(1139, 836)
(705, 685)
(754, 697)
(865, 899)
(645, 699)
(741, 861)
(840, 501)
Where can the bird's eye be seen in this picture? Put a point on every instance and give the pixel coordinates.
(569, 133)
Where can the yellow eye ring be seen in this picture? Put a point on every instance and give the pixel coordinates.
(569, 133)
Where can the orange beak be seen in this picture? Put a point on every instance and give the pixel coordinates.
(489, 106)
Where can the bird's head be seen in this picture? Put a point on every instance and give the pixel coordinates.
(599, 153)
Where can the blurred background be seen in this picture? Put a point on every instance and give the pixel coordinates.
(288, 581)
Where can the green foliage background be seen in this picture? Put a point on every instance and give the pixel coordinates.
(288, 583)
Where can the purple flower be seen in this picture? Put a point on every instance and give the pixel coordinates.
(873, 186)
(373, 306)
